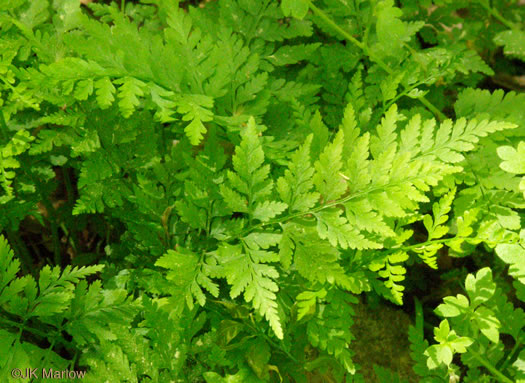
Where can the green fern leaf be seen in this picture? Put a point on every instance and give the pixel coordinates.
(195, 108)
(18, 144)
(327, 178)
(482, 105)
(249, 156)
(247, 272)
(435, 228)
(513, 254)
(331, 226)
(307, 301)
(164, 100)
(129, 92)
(513, 42)
(251, 179)
(514, 161)
(286, 247)
(330, 328)
(234, 200)
(267, 210)
(390, 269)
(386, 132)
(295, 8)
(83, 89)
(105, 92)
(453, 138)
(361, 214)
(9, 266)
(187, 276)
(296, 184)
(310, 251)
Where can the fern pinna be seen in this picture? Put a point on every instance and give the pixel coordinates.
(247, 169)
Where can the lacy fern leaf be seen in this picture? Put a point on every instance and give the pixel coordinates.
(246, 271)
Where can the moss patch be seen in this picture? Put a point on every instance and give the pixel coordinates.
(382, 338)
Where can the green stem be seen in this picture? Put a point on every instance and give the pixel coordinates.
(4, 129)
(270, 340)
(69, 186)
(402, 94)
(23, 327)
(319, 208)
(368, 26)
(17, 341)
(69, 237)
(54, 230)
(431, 242)
(73, 361)
(36, 250)
(513, 352)
(495, 13)
(52, 219)
(28, 34)
(322, 15)
(21, 251)
(493, 370)
(420, 320)
(50, 348)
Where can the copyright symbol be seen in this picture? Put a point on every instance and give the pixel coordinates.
(16, 373)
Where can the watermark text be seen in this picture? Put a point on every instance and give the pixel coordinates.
(45, 373)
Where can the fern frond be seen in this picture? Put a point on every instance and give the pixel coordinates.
(513, 42)
(187, 276)
(452, 139)
(9, 266)
(391, 270)
(247, 271)
(295, 186)
(330, 328)
(310, 251)
(18, 144)
(327, 177)
(336, 229)
(250, 179)
(498, 105)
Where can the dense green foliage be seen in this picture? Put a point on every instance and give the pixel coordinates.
(203, 192)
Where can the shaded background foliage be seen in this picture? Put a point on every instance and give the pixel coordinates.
(200, 191)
